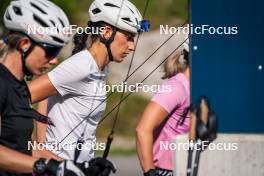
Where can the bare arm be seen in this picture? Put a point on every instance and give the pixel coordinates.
(41, 134)
(41, 88)
(41, 127)
(10, 158)
(23, 163)
(152, 117)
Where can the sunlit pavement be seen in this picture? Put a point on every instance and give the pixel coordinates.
(127, 165)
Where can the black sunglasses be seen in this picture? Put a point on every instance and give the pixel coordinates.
(50, 50)
(129, 36)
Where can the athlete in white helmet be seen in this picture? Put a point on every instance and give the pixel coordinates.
(121, 15)
(23, 15)
(76, 86)
(28, 54)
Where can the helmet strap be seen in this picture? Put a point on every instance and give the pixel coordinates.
(24, 55)
(108, 42)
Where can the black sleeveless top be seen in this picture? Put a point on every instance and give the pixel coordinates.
(16, 114)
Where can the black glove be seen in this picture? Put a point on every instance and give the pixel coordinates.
(57, 168)
(97, 167)
(151, 172)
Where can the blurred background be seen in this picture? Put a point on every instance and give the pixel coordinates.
(226, 68)
(166, 12)
(159, 12)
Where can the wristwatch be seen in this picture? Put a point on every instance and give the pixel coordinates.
(40, 166)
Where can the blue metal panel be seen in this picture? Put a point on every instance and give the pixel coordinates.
(227, 68)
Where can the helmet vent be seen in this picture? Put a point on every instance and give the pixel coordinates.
(40, 21)
(127, 19)
(137, 20)
(63, 25)
(38, 8)
(131, 10)
(57, 39)
(52, 22)
(43, 3)
(111, 5)
(17, 10)
(8, 16)
(96, 10)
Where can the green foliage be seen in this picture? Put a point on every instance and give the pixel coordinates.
(164, 12)
(76, 10)
(159, 12)
(4, 4)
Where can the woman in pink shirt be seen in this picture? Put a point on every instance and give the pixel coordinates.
(165, 117)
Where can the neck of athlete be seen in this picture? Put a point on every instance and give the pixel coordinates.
(100, 55)
(187, 73)
(13, 63)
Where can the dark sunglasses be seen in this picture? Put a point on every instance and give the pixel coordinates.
(129, 36)
(50, 50)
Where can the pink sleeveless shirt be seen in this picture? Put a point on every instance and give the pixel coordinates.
(178, 96)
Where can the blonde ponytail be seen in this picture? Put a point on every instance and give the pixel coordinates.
(12, 40)
(3, 50)
(176, 64)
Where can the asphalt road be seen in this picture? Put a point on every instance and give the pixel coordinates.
(127, 166)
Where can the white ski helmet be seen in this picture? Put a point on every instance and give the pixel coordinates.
(20, 15)
(119, 13)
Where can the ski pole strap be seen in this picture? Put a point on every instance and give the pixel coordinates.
(205, 127)
(203, 130)
(189, 162)
(196, 160)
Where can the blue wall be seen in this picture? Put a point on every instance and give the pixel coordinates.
(225, 67)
